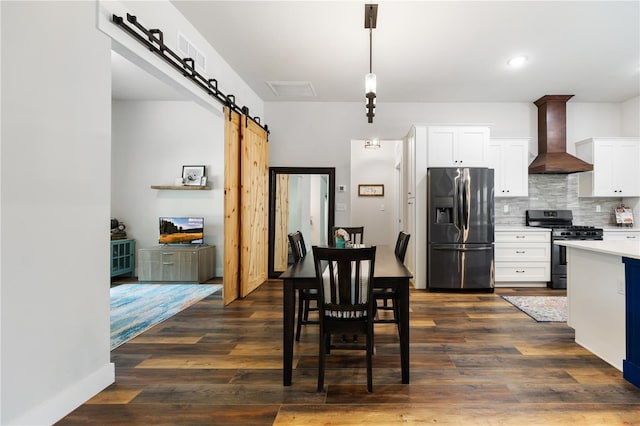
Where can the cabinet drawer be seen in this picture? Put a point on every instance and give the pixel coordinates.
(522, 236)
(622, 236)
(530, 271)
(530, 252)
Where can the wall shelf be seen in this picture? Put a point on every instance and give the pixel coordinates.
(182, 187)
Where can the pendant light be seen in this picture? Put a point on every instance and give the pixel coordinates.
(370, 18)
(372, 143)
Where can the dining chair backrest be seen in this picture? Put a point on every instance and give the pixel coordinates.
(298, 247)
(345, 282)
(401, 245)
(356, 234)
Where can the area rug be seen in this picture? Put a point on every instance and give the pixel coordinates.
(541, 308)
(138, 307)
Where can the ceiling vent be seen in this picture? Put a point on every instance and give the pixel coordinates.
(292, 89)
(189, 50)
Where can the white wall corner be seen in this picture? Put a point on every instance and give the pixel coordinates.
(67, 400)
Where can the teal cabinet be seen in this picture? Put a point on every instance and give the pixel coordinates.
(123, 257)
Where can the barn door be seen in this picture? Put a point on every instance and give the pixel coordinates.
(254, 201)
(246, 190)
(231, 273)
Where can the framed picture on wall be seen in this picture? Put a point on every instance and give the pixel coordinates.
(192, 175)
(371, 190)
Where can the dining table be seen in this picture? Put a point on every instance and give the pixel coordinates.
(389, 273)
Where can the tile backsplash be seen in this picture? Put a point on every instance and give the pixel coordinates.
(558, 192)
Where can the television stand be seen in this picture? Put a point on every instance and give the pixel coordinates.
(176, 263)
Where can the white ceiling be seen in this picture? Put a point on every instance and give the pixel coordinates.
(427, 51)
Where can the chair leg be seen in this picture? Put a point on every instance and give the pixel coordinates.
(395, 311)
(306, 310)
(321, 361)
(370, 362)
(299, 323)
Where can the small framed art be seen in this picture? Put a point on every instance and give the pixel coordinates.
(192, 175)
(371, 190)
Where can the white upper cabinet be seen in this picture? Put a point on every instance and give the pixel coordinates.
(615, 167)
(510, 159)
(457, 146)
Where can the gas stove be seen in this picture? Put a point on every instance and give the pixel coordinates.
(576, 232)
(562, 228)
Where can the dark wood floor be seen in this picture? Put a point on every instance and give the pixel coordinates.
(475, 359)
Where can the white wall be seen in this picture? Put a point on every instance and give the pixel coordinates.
(151, 141)
(631, 127)
(631, 117)
(55, 180)
(319, 134)
(376, 214)
(55, 193)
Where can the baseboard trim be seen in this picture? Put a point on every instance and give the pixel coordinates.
(63, 403)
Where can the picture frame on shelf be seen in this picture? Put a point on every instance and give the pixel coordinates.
(371, 190)
(192, 175)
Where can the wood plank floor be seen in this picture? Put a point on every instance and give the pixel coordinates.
(475, 360)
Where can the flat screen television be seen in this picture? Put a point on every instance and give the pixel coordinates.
(181, 230)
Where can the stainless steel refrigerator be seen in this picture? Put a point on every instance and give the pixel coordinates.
(460, 229)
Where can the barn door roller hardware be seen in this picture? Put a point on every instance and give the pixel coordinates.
(154, 41)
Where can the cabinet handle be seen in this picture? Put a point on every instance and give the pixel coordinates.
(520, 251)
(631, 237)
(520, 272)
(521, 236)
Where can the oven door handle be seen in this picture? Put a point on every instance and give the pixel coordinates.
(563, 255)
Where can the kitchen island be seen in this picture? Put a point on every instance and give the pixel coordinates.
(603, 301)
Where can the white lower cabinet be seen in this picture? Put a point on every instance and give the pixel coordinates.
(522, 258)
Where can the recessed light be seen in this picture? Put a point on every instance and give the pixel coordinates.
(517, 61)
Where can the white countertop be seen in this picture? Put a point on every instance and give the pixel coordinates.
(617, 248)
(620, 229)
(515, 228)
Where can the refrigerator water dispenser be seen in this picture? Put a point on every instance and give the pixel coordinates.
(444, 215)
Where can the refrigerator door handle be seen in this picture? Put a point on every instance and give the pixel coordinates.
(453, 248)
(459, 187)
(465, 199)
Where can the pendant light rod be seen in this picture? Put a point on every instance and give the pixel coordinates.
(370, 50)
(370, 21)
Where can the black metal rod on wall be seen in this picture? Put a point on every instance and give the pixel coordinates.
(186, 66)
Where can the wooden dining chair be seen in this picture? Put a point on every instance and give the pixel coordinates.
(387, 295)
(305, 295)
(356, 234)
(345, 301)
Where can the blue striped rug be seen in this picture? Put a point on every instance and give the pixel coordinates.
(137, 307)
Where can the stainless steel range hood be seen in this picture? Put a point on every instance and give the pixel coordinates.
(552, 156)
